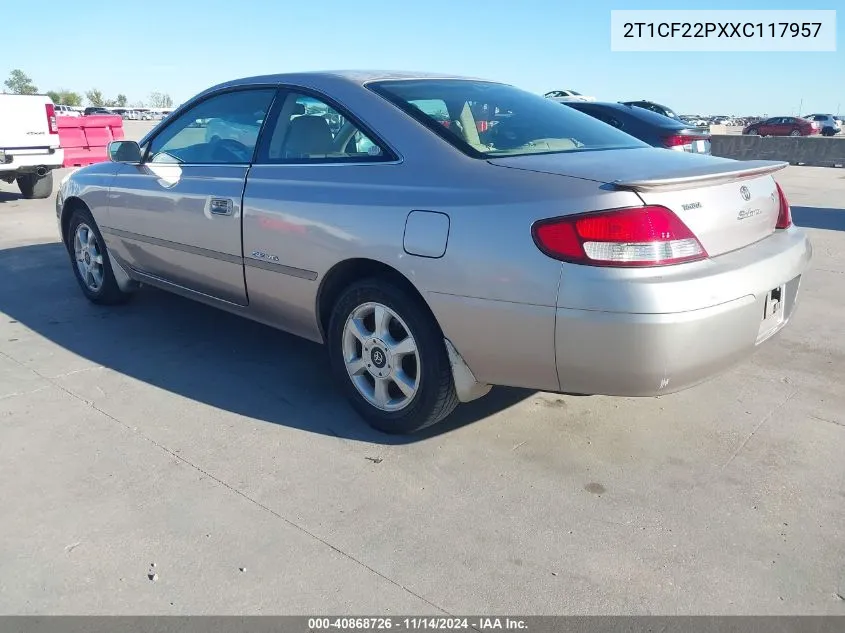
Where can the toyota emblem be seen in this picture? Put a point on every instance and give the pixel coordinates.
(746, 195)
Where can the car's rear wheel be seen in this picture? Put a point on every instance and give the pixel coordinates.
(389, 357)
(795, 133)
(90, 260)
(35, 187)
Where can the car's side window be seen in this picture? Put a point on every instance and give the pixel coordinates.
(222, 129)
(308, 130)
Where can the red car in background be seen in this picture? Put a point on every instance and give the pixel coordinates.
(783, 126)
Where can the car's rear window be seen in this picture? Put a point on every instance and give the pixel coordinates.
(486, 119)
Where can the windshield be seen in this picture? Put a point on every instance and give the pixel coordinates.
(485, 119)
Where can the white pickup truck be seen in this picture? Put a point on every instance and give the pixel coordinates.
(29, 143)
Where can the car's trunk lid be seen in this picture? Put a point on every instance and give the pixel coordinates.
(727, 204)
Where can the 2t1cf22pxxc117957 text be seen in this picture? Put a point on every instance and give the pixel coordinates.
(721, 29)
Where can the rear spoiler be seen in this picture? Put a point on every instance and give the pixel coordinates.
(704, 176)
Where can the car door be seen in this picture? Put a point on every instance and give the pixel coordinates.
(767, 127)
(176, 216)
(319, 189)
(784, 126)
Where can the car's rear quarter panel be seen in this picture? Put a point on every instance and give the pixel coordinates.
(493, 292)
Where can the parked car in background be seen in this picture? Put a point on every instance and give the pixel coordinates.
(783, 126)
(96, 110)
(676, 266)
(654, 107)
(239, 129)
(695, 120)
(29, 143)
(567, 95)
(125, 113)
(65, 110)
(828, 123)
(648, 126)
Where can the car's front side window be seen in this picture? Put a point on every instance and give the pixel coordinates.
(222, 129)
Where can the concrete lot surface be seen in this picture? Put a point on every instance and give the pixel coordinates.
(165, 432)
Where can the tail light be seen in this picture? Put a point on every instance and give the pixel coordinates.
(785, 212)
(635, 236)
(678, 141)
(52, 125)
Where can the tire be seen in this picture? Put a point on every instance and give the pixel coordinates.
(106, 292)
(795, 133)
(828, 131)
(428, 367)
(34, 187)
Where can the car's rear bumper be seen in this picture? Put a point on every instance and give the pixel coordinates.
(27, 159)
(643, 333)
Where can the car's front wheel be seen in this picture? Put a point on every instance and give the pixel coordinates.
(90, 260)
(389, 357)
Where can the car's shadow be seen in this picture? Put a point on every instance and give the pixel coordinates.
(10, 196)
(198, 352)
(819, 218)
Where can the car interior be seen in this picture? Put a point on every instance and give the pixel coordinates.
(485, 126)
(306, 129)
(486, 119)
(309, 129)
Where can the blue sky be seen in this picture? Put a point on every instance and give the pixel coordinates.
(183, 47)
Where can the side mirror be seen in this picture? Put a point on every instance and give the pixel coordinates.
(124, 152)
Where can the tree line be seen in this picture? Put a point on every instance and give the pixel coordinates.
(19, 83)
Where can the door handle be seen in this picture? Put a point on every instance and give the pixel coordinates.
(221, 206)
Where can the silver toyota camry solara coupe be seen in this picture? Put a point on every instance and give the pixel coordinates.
(441, 235)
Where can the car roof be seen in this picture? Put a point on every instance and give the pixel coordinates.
(607, 104)
(359, 77)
